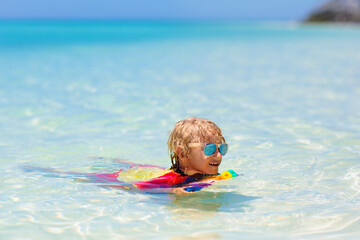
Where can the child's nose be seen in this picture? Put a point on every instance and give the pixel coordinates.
(217, 153)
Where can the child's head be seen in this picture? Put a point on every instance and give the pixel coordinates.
(190, 157)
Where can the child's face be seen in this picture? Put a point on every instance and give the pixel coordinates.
(198, 162)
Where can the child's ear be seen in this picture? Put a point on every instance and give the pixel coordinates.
(180, 152)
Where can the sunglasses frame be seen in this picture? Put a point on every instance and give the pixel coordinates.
(217, 147)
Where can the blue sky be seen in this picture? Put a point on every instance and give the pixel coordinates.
(155, 9)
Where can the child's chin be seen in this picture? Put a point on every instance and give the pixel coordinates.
(213, 170)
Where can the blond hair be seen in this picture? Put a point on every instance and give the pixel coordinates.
(191, 130)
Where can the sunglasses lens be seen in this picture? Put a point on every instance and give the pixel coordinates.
(209, 149)
(223, 149)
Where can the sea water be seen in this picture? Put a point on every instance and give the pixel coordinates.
(80, 95)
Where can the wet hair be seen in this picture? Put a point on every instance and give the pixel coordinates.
(191, 130)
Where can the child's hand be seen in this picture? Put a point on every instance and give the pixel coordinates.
(183, 191)
(193, 189)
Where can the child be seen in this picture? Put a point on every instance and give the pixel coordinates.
(196, 147)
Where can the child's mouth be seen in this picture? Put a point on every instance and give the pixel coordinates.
(214, 164)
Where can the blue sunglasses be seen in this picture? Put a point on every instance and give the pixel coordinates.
(209, 149)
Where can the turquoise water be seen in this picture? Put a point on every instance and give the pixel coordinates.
(76, 95)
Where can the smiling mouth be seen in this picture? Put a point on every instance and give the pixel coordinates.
(214, 164)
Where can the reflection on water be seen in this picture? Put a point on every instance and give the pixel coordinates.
(211, 202)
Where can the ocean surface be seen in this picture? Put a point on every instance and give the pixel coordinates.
(77, 95)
